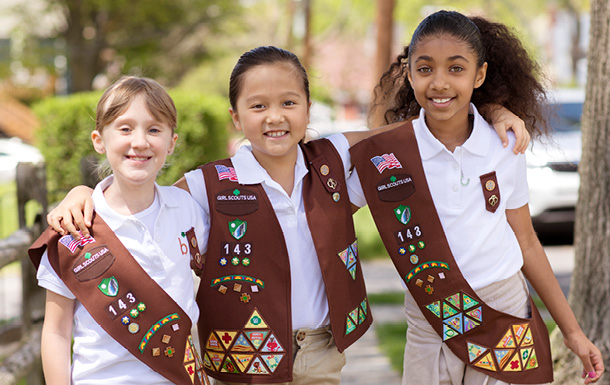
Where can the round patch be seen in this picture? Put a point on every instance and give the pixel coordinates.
(411, 248)
(194, 242)
(490, 185)
(134, 313)
(245, 261)
(125, 320)
(223, 262)
(336, 197)
(414, 259)
(133, 328)
(324, 170)
(402, 251)
(235, 261)
(141, 306)
(421, 244)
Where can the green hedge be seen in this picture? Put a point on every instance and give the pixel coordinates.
(67, 122)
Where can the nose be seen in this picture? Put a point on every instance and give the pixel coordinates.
(439, 82)
(275, 116)
(139, 139)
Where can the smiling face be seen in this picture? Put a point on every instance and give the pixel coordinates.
(272, 110)
(443, 73)
(136, 145)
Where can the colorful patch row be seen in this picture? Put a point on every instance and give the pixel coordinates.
(155, 327)
(239, 277)
(242, 363)
(243, 341)
(356, 317)
(349, 256)
(425, 266)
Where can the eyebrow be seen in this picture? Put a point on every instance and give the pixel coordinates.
(429, 58)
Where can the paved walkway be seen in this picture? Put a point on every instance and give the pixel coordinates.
(366, 364)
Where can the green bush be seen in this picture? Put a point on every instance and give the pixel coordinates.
(67, 122)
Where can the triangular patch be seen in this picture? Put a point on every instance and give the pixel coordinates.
(469, 302)
(352, 271)
(207, 363)
(242, 345)
(272, 345)
(514, 364)
(354, 315)
(525, 355)
(502, 356)
(508, 341)
(188, 353)
(256, 321)
(477, 314)
(527, 339)
(256, 337)
(455, 322)
(475, 351)
(213, 343)
(454, 300)
(533, 361)
(354, 247)
(229, 366)
(361, 316)
(272, 360)
(519, 332)
(469, 324)
(242, 360)
(351, 257)
(449, 333)
(343, 256)
(226, 337)
(435, 308)
(448, 311)
(364, 306)
(487, 362)
(216, 359)
(350, 325)
(257, 367)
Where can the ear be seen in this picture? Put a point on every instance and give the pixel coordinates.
(409, 77)
(172, 144)
(235, 118)
(480, 77)
(308, 110)
(98, 142)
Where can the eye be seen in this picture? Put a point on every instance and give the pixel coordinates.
(289, 103)
(424, 70)
(154, 130)
(125, 129)
(456, 69)
(257, 106)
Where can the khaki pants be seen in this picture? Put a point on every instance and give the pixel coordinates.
(429, 361)
(317, 360)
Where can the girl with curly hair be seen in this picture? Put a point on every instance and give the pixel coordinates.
(450, 203)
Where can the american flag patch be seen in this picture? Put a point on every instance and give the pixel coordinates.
(385, 161)
(71, 243)
(225, 172)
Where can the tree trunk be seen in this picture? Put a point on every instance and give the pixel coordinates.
(590, 288)
(385, 26)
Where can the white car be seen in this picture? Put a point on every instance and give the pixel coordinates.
(13, 151)
(552, 165)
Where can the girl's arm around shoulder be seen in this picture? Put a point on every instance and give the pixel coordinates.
(538, 272)
(57, 338)
(74, 213)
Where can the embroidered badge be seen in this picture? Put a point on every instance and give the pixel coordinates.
(403, 214)
(356, 317)
(236, 202)
(92, 264)
(272, 360)
(155, 327)
(425, 266)
(457, 314)
(225, 172)
(336, 197)
(324, 170)
(238, 277)
(109, 286)
(349, 257)
(395, 188)
(491, 192)
(385, 161)
(71, 244)
(237, 228)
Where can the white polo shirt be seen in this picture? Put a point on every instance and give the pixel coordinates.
(97, 358)
(483, 243)
(309, 302)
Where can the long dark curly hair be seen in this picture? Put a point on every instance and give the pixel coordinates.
(513, 79)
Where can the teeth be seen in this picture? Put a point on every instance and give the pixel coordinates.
(276, 134)
(139, 158)
(445, 100)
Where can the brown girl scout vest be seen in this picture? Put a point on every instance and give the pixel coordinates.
(512, 349)
(245, 326)
(122, 298)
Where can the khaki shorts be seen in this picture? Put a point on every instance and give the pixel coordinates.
(317, 360)
(429, 361)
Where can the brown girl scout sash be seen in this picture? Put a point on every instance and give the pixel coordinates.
(123, 299)
(512, 349)
(248, 338)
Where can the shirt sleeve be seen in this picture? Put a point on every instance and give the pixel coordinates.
(196, 183)
(355, 191)
(48, 279)
(520, 196)
(341, 144)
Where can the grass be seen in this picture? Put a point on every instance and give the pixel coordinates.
(393, 337)
(369, 241)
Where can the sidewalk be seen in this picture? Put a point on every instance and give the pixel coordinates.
(366, 364)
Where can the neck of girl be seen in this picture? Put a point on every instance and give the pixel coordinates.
(452, 132)
(129, 199)
(280, 170)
